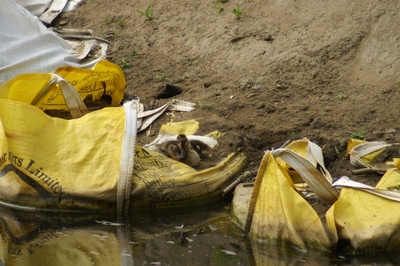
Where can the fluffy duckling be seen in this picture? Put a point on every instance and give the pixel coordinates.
(181, 150)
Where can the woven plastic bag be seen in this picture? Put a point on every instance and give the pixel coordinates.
(366, 218)
(91, 162)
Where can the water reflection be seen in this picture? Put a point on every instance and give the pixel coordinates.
(175, 237)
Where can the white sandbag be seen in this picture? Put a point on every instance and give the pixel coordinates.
(36, 7)
(28, 46)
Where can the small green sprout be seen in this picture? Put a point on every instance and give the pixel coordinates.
(398, 84)
(206, 104)
(148, 13)
(162, 77)
(133, 53)
(219, 8)
(120, 22)
(358, 135)
(341, 96)
(107, 19)
(189, 61)
(126, 63)
(237, 12)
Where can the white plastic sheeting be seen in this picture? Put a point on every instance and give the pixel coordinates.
(27, 45)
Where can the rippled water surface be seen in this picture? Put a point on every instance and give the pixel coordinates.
(176, 237)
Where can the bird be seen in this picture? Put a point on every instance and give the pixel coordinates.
(181, 150)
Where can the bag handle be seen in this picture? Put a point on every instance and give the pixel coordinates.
(76, 106)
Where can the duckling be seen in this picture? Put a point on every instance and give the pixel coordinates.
(181, 150)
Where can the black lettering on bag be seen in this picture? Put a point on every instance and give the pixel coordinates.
(50, 202)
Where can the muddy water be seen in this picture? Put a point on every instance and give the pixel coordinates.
(186, 237)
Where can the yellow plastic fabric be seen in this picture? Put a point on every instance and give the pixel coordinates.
(281, 215)
(69, 165)
(161, 182)
(186, 127)
(368, 223)
(52, 163)
(351, 144)
(39, 89)
(299, 147)
(369, 158)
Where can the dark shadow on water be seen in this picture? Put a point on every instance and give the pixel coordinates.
(194, 236)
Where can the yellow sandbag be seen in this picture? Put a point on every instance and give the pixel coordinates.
(390, 180)
(51, 163)
(363, 153)
(105, 78)
(282, 216)
(366, 222)
(160, 182)
(92, 162)
(41, 90)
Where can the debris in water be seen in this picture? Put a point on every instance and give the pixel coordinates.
(213, 228)
(108, 223)
(229, 252)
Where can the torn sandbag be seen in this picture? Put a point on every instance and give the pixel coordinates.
(240, 203)
(103, 84)
(58, 164)
(68, 165)
(146, 118)
(359, 153)
(29, 47)
(366, 219)
(279, 215)
(53, 11)
(305, 157)
(169, 132)
(92, 163)
(82, 43)
(48, 10)
(36, 7)
(162, 182)
(363, 155)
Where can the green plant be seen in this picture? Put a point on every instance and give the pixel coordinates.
(205, 104)
(337, 151)
(358, 135)
(126, 63)
(398, 83)
(218, 7)
(107, 19)
(162, 77)
(293, 135)
(148, 13)
(189, 61)
(341, 96)
(237, 12)
(133, 53)
(120, 22)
